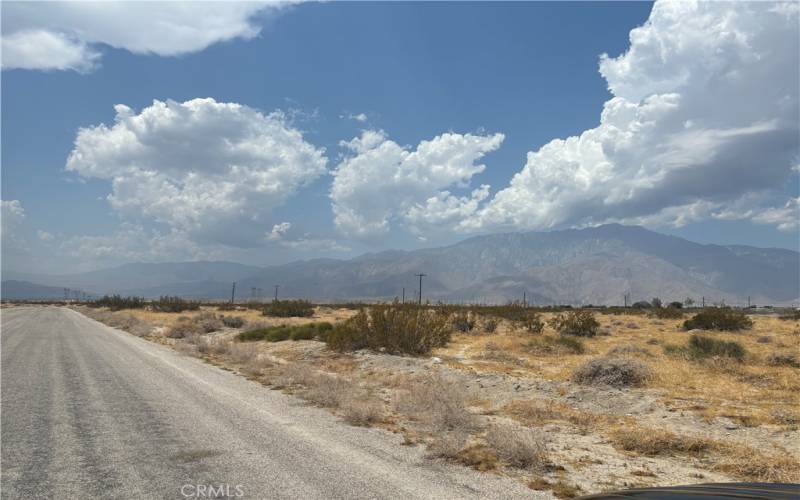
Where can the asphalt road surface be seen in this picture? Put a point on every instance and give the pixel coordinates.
(92, 412)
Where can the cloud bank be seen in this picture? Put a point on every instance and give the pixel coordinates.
(704, 113)
(67, 35)
(379, 182)
(208, 169)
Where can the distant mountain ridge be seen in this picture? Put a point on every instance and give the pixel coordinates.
(596, 265)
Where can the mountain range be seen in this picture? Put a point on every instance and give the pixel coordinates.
(598, 265)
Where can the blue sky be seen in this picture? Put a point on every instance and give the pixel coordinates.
(406, 73)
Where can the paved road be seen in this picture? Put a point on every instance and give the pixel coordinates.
(92, 412)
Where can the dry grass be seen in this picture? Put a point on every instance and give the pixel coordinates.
(362, 411)
(520, 447)
(753, 389)
(740, 461)
(652, 442)
(438, 402)
(560, 488)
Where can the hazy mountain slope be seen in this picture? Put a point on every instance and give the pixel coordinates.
(15, 289)
(154, 279)
(595, 265)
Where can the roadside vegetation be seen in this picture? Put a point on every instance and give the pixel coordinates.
(289, 309)
(572, 401)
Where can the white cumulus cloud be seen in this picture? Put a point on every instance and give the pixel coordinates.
(379, 182)
(66, 35)
(209, 169)
(12, 216)
(704, 112)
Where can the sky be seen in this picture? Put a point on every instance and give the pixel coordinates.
(265, 133)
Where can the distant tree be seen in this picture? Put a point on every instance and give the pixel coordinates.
(676, 305)
(642, 304)
(656, 302)
(688, 302)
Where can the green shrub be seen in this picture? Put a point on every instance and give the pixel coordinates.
(392, 328)
(167, 303)
(308, 331)
(117, 302)
(718, 318)
(289, 309)
(701, 347)
(490, 325)
(580, 323)
(666, 312)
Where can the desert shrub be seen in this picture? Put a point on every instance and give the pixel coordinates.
(700, 347)
(653, 442)
(182, 328)
(718, 318)
(308, 331)
(226, 306)
(642, 304)
(117, 302)
(233, 321)
(532, 322)
(549, 344)
(490, 325)
(518, 446)
(676, 305)
(392, 328)
(327, 390)
(783, 358)
(447, 444)
(362, 411)
(666, 312)
(439, 402)
(208, 322)
(764, 339)
(580, 323)
(167, 303)
(462, 322)
(289, 309)
(616, 372)
(793, 315)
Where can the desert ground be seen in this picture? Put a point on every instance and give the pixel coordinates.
(507, 401)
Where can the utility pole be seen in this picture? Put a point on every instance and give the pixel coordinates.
(276, 292)
(421, 275)
(748, 302)
(233, 292)
(524, 298)
(404, 295)
(704, 301)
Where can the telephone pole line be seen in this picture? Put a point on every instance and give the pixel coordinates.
(404, 295)
(421, 275)
(276, 292)
(233, 292)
